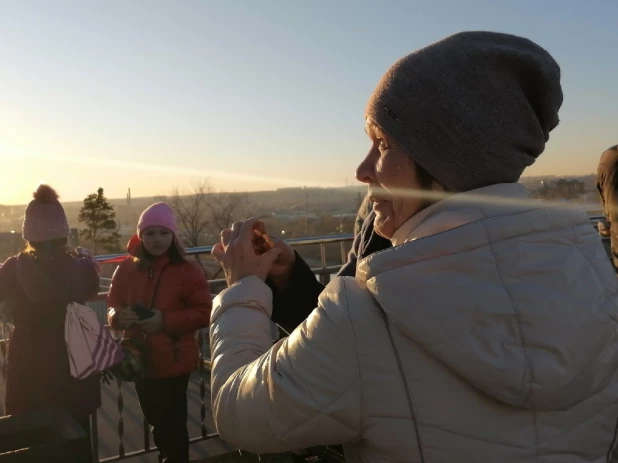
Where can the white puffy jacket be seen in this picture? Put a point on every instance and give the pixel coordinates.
(502, 348)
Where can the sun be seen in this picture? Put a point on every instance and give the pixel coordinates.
(16, 181)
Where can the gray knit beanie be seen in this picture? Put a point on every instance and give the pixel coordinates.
(474, 109)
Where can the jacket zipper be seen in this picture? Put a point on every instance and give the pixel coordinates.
(174, 347)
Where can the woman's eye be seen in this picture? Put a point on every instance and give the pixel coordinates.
(382, 145)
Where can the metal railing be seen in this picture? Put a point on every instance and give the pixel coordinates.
(204, 378)
(323, 272)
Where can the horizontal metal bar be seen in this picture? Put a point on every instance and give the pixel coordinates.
(292, 242)
(211, 435)
(318, 271)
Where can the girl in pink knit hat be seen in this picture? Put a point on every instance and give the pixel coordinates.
(39, 283)
(160, 299)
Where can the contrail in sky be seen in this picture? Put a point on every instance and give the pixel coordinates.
(471, 197)
(187, 171)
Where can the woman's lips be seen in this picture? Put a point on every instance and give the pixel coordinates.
(379, 204)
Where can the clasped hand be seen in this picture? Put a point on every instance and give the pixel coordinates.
(241, 255)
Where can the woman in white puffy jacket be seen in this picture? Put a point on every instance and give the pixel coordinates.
(487, 333)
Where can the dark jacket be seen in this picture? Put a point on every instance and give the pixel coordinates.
(607, 184)
(183, 298)
(38, 373)
(292, 306)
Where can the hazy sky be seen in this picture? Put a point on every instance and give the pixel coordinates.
(254, 94)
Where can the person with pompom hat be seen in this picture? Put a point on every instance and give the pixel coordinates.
(173, 293)
(40, 282)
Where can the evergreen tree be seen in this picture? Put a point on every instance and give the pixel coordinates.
(100, 219)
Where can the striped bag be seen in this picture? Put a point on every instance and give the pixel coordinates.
(90, 346)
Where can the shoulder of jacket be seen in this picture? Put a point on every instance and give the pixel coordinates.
(127, 265)
(344, 294)
(10, 264)
(129, 261)
(11, 261)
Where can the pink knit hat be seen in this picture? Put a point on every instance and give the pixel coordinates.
(45, 219)
(157, 215)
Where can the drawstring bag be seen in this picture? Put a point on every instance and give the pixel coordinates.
(90, 346)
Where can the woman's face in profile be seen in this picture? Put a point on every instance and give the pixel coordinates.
(393, 186)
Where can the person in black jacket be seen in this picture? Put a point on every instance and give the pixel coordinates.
(295, 287)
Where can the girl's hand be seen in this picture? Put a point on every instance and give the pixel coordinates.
(237, 254)
(152, 325)
(126, 318)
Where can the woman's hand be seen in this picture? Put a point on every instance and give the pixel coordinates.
(126, 318)
(240, 255)
(152, 325)
(282, 266)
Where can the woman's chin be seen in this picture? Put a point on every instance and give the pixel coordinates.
(384, 226)
(156, 253)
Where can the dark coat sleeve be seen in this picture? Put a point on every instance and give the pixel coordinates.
(292, 306)
(8, 279)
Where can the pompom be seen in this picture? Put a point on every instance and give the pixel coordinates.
(45, 194)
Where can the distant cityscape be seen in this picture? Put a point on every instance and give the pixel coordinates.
(289, 212)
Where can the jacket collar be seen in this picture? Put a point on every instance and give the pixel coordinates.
(159, 262)
(457, 210)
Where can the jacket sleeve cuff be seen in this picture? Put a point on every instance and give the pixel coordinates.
(250, 292)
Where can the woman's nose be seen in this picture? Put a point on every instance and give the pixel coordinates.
(364, 171)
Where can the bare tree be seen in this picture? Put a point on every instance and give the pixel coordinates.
(202, 212)
(225, 208)
(192, 211)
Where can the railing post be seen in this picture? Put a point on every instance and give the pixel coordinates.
(324, 277)
(120, 420)
(146, 435)
(344, 255)
(94, 435)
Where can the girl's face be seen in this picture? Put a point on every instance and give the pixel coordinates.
(157, 240)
